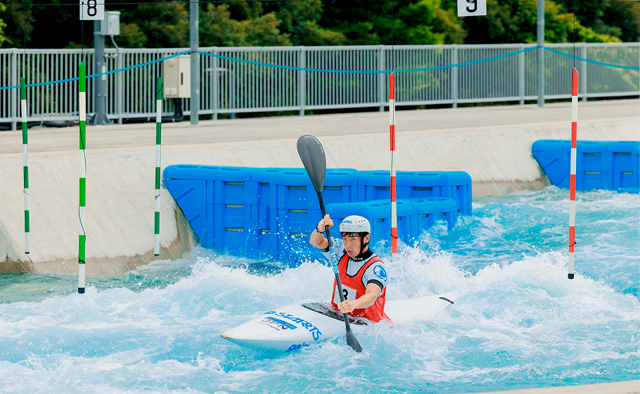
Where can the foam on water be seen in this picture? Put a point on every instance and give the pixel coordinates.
(519, 323)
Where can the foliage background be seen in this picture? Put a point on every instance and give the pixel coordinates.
(29, 24)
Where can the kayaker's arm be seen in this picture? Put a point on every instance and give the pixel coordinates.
(368, 299)
(317, 238)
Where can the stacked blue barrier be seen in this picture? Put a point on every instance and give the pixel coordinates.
(268, 213)
(606, 165)
(375, 185)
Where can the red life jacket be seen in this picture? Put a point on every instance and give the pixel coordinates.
(375, 312)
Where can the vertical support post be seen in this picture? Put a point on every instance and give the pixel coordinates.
(583, 72)
(572, 176)
(302, 80)
(25, 162)
(541, 78)
(156, 237)
(14, 82)
(195, 61)
(454, 77)
(381, 78)
(216, 86)
(100, 89)
(521, 75)
(392, 134)
(83, 175)
(119, 88)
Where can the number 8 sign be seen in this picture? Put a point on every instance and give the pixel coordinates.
(92, 10)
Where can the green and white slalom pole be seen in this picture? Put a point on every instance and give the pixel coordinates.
(83, 175)
(156, 237)
(25, 163)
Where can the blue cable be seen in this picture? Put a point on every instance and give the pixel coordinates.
(367, 72)
(592, 61)
(97, 75)
(326, 70)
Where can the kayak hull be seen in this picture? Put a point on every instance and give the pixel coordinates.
(299, 325)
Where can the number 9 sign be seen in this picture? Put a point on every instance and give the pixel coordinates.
(92, 10)
(472, 7)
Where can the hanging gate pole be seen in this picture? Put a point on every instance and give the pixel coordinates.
(572, 176)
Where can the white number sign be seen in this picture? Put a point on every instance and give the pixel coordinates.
(472, 7)
(92, 10)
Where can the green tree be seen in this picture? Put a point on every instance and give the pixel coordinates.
(514, 21)
(300, 20)
(401, 22)
(217, 28)
(2, 25)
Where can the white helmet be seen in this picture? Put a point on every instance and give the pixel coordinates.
(355, 224)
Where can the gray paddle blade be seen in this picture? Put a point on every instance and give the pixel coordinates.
(312, 155)
(353, 342)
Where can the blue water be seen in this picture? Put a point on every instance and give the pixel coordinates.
(520, 323)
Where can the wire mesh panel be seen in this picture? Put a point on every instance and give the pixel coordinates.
(493, 80)
(7, 96)
(421, 87)
(606, 81)
(258, 80)
(246, 87)
(342, 90)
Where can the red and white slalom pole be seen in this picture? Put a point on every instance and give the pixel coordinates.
(392, 133)
(572, 179)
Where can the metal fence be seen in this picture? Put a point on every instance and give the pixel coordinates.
(230, 86)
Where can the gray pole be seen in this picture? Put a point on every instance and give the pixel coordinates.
(541, 53)
(195, 66)
(99, 90)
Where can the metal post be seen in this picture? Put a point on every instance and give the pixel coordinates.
(521, 75)
(215, 91)
(82, 110)
(302, 80)
(454, 77)
(119, 89)
(195, 58)
(583, 72)
(14, 93)
(99, 92)
(156, 246)
(541, 78)
(381, 79)
(25, 163)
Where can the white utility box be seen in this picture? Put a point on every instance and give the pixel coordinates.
(110, 26)
(177, 77)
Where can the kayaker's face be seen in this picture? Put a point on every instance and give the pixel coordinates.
(352, 243)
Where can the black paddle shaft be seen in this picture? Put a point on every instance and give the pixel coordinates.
(312, 155)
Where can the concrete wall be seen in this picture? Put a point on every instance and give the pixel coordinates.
(121, 162)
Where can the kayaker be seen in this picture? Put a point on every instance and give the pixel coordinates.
(362, 272)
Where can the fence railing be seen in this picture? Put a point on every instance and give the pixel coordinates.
(232, 86)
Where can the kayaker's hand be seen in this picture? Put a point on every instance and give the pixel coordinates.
(324, 223)
(346, 306)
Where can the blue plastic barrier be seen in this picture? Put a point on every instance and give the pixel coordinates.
(554, 156)
(375, 185)
(459, 189)
(593, 166)
(269, 213)
(625, 171)
(430, 210)
(224, 199)
(607, 165)
(293, 207)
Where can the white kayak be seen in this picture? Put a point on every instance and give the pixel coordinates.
(299, 325)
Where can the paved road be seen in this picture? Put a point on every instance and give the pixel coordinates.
(134, 136)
